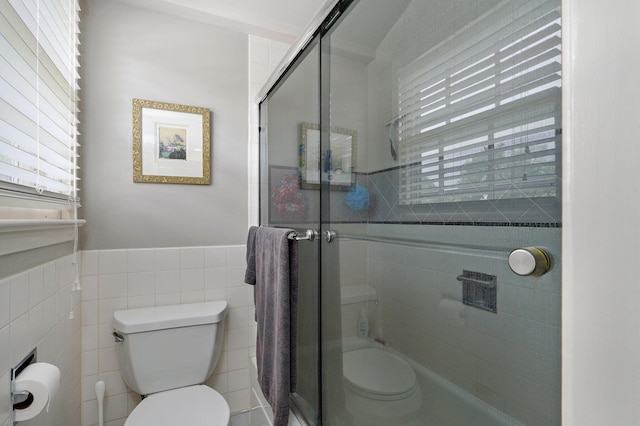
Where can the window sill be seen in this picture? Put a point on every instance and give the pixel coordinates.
(18, 235)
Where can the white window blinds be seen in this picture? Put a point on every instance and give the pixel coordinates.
(38, 99)
(480, 113)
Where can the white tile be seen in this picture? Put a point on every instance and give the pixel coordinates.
(105, 336)
(215, 257)
(218, 382)
(215, 278)
(50, 312)
(49, 276)
(238, 359)
(19, 338)
(88, 387)
(168, 281)
(116, 407)
(90, 264)
(89, 363)
(90, 338)
(36, 324)
(221, 367)
(89, 286)
(239, 317)
(112, 261)
(192, 280)
(107, 360)
(238, 379)
(240, 296)
(237, 338)
(36, 286)
(141, 301)
(19, 295)
(192, 257)
(89, 312)
(237, 256)
(107, 307)
(167, 299)
(89, 412)
(238, 400)
(141, 260)
(114, 385)
(141, 283)
(192, 297)
(112, 285)
(215, 294)
(167, 259)
(235, 276)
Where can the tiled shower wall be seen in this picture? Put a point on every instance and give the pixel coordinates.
(123, 279)
(511, 359)
(34, 313)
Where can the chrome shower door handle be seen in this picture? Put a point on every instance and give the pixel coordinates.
(309, 235)
(329, 236)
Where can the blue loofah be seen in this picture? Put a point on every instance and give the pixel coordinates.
(357, 197)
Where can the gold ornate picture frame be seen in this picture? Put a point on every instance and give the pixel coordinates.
(171, 143)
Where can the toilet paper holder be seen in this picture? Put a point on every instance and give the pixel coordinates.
(21, 399)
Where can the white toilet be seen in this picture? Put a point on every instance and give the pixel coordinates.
(165, 354)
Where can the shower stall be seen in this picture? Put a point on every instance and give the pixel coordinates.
(419, 142)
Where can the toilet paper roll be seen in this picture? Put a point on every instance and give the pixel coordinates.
(452, 310)
(42, 381)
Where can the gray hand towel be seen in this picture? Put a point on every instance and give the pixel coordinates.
(276, 294)
(250, 273)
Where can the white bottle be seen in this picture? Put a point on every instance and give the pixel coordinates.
(363, 324)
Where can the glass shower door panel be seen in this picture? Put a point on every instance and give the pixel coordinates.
(285, 202)
(440, 155)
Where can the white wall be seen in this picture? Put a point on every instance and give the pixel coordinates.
(127, 53)
(601, 233)
(125, 279)
(34, 313)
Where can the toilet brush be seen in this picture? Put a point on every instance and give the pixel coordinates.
(100, 396)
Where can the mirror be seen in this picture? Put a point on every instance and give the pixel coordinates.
(335, 165)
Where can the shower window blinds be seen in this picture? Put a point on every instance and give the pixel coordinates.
(38, 97)
(481, 111)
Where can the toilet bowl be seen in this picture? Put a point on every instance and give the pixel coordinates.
(197, 405)
(165, 354)
(379, 385)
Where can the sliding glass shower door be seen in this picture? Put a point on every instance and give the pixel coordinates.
(442, 157)
(421, 140)
(294, 101)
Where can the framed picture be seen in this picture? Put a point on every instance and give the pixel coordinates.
(335, 165)
(171, 143)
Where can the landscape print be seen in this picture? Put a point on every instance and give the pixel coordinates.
(172, 143)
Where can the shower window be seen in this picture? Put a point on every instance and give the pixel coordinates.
(479, 114)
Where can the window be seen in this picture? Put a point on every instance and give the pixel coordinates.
(480, 113)
(38, 101)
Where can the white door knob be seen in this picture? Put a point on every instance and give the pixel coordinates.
(529, 261)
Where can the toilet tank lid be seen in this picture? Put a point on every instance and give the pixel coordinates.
(171, 316)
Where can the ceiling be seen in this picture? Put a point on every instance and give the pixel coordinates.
(283, 20)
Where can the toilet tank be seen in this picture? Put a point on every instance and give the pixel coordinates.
(167, 347)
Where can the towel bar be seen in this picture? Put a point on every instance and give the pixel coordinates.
(310, 235)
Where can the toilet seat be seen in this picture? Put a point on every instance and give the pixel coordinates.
(378, 374)
(193, 405)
